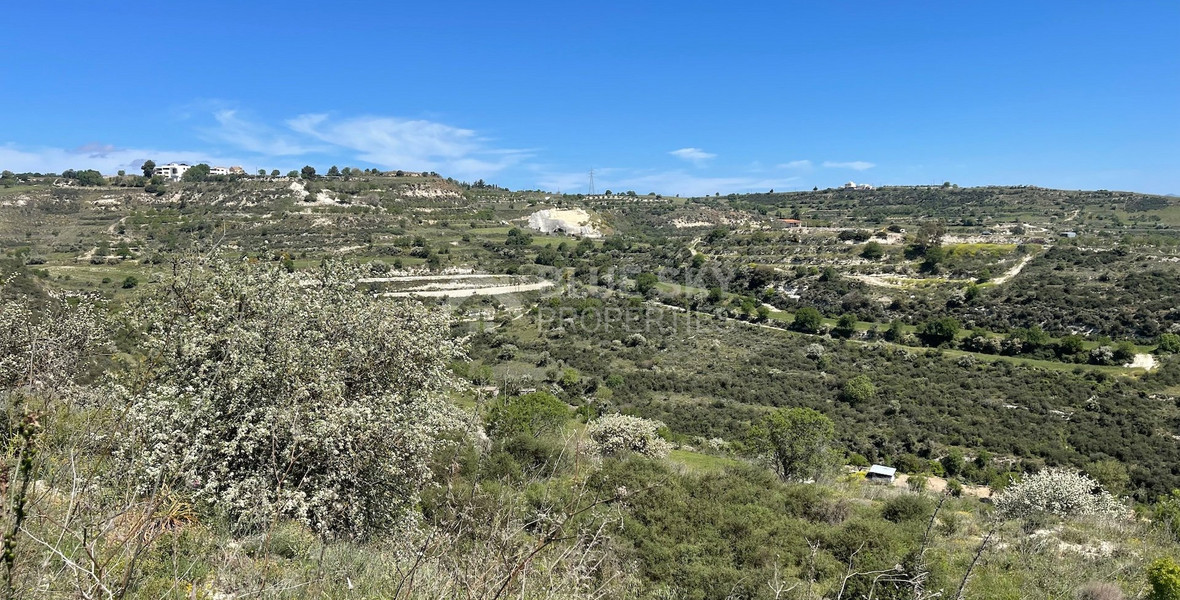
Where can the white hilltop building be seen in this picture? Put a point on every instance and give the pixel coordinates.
(174, 171)
(573, 222)
(852, 185)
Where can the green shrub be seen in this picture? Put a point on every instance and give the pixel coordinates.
(538, 457)
(810, 502)
(1124, 352)
(950, 522)
(288, 540)
(536, 414)
(872, 251)
(916, 483)
(1164, 576)
(501, 465)
(911, 464)
(954, 487)
(939, 331)
(1166, 513)
(904, 508)
(952, 463)
(1169, 343)
(845, 326)
(858, 390)
(807, 320)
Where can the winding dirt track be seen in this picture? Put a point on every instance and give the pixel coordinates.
(477, 291)
(1013, 272)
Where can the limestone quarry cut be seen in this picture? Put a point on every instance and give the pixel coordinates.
(572, 222)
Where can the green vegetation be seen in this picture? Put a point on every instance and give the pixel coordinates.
(797, 441)
(807, 320)
(859, 389)
(685, 411)
(535, 414)
(1164, 575)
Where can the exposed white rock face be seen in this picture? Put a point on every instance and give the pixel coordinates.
(573, 222)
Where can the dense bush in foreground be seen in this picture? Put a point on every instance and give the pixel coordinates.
(269, 396)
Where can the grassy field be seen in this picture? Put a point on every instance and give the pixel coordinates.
(698, 462)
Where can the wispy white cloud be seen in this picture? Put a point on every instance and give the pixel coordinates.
(693, 155)
(858, 165)
(796, 164)
(96, 149)
(105, 158)
(415, 145)
(237, 139)
(253, 136)
(661, 182)
(233, 136)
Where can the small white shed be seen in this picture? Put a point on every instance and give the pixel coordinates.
(880, 474)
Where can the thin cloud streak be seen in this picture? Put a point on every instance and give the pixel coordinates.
(389, 142)
(321, 138)
(857, 165)
(416, 145)
(108, 162)
(253, 137)
(693, 155)
(96, 150)
(668, 183)
(796, 164)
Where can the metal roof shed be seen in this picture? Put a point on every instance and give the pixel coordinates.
(880, 473)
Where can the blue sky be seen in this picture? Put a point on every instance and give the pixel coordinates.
(684, 97)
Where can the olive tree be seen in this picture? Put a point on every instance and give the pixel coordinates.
(807, 320)
(796, 441)
(199, 172)
(269, 397)
(936, 332)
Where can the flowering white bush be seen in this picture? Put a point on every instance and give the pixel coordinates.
(266, 396)
(1057, 491)
(814, 351)
(616, 435)
(44, 349)
(1102, 355)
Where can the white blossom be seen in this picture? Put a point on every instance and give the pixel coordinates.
(1057, 491)
(267, 398)
(615, 435)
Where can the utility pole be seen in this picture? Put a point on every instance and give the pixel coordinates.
(591, 182)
